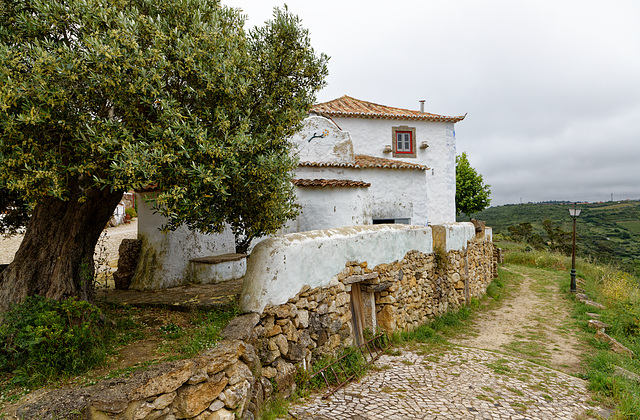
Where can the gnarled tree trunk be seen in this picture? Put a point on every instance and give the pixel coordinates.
(55, 258)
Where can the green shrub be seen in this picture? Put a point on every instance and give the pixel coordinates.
(131, 212)
(42, 338)
(494, 290)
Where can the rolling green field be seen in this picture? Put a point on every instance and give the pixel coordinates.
(608, 232)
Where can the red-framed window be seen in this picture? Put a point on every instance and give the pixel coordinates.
(404, 142)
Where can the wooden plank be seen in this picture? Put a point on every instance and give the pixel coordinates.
(357, 312)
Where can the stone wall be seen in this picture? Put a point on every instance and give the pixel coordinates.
(262, 352)
(398, 296)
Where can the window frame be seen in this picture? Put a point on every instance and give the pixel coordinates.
(411, 153)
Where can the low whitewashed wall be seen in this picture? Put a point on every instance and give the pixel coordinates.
(453, 236)
(280, 266)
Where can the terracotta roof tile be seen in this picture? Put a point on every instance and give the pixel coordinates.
(347, 106)
(329, 183)
(365, 162)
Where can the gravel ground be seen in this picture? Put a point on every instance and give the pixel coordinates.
(112, 238)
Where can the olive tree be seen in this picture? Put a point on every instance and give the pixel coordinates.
(472, 195)
(99, 97)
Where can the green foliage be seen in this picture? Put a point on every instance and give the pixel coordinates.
(538, 259)
(559, 240)
(524, 233)
(206, 335)
(42, 338)
(619, 292)
(494, 290)
(435, 331)
(131, 212)
(173, 93)
(275, 408)
(472, 195)
(608, 232)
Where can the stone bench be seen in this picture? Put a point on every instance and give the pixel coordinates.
(217, 269)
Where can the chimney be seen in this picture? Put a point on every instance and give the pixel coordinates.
(422, 105)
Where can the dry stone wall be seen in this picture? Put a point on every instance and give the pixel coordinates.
(261, 353)
(397, 296)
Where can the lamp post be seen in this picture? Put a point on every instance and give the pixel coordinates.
(574, 212)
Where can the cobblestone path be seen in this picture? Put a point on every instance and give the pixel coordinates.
(456, 383)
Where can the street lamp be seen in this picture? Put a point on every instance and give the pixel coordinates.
(574, 212)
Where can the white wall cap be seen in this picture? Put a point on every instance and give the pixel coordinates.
(280, 266)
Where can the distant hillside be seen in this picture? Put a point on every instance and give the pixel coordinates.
(607, 231)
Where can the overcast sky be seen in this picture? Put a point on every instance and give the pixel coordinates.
(551, 88)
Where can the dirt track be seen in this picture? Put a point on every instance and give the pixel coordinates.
(114, 235)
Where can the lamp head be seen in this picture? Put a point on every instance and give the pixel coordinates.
(575, 212)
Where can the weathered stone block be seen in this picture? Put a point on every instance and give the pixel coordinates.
(129, 251)
(216, 405)
(238, 372)
(236, 395)
(269, 372)
(219, 358)
(280, 342)
(386, 318)
(285, 378)
(275, 330)
(192, 400)
(296, 352)
(241, 327)
(163, 401)
(222, 414)
(615, 345)
(302, 318)
(342, 299)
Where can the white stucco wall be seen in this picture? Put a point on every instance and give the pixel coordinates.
(280, 266)
(328, 207)
(320, 140)
(370, 136)
(453, 236)
(394, 193)
(164, 258)
(488, 232)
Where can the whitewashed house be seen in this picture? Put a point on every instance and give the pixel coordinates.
(400, 165)
(360, 163)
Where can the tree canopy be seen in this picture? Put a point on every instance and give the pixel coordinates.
(100, 97)
(472, 195)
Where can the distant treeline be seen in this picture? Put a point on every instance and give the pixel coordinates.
(607, 231)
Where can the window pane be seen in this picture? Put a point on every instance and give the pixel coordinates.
(403, 142)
